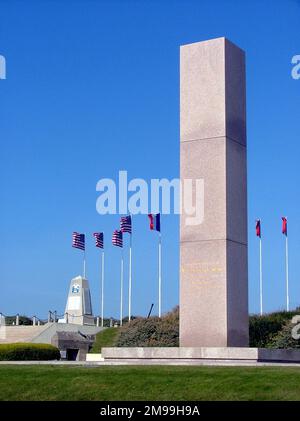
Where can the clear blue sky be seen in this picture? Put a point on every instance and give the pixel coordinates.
(93, 87)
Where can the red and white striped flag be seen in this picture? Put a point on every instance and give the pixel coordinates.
(99, 238)
(117, 238)
(125, 224)
(78, 241)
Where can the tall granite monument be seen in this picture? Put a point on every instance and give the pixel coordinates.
(213, 254)
(213, 251)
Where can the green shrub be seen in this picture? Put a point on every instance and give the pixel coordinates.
(23, 320)
(269, 330)
(283, 339)
(263, 328)
(28, 352)
(151, 332)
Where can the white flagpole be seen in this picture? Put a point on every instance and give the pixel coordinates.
(84, 268)
(287, 273)
(130, 275)
(84, 261)
(121, 292)
(260, 277)
(159, 276)
(102, 290)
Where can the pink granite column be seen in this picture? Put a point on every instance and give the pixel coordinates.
(213, 254)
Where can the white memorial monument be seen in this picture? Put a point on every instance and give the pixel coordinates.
(79, 305)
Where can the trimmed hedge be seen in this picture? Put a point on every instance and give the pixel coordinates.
(28, 352)
(150, 332)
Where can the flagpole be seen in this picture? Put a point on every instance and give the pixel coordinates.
(287, 273)
(121, 296)
(130, 275)
(159, 276)
(260, 277)
(102, 290)
(84, 263)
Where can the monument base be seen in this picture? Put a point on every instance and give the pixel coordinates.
(79, 320)
(185, 354)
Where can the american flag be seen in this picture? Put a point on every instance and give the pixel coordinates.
(117, 238)
(125, 224)
(99, 238)
(78, 241)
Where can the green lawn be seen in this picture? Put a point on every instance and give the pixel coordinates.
(105, 338)
(148, 383)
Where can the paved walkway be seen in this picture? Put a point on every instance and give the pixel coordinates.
(152, 362)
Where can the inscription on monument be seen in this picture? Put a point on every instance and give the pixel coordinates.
(199, 271)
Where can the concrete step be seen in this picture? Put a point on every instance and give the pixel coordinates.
(94, 357)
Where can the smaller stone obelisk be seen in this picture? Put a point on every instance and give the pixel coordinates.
(79, 305)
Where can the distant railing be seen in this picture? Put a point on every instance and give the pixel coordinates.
(53, 317)
(16, 320)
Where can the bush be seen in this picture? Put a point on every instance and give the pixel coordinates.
(151, 332)
(23, 320)
(28, 352)
(263, 328)
(270, 330)
(283, 339)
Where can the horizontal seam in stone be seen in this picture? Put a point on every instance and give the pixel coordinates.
(215, 137)
(214, 239)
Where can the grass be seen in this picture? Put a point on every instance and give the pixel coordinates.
(148, 383)
(106, 337)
